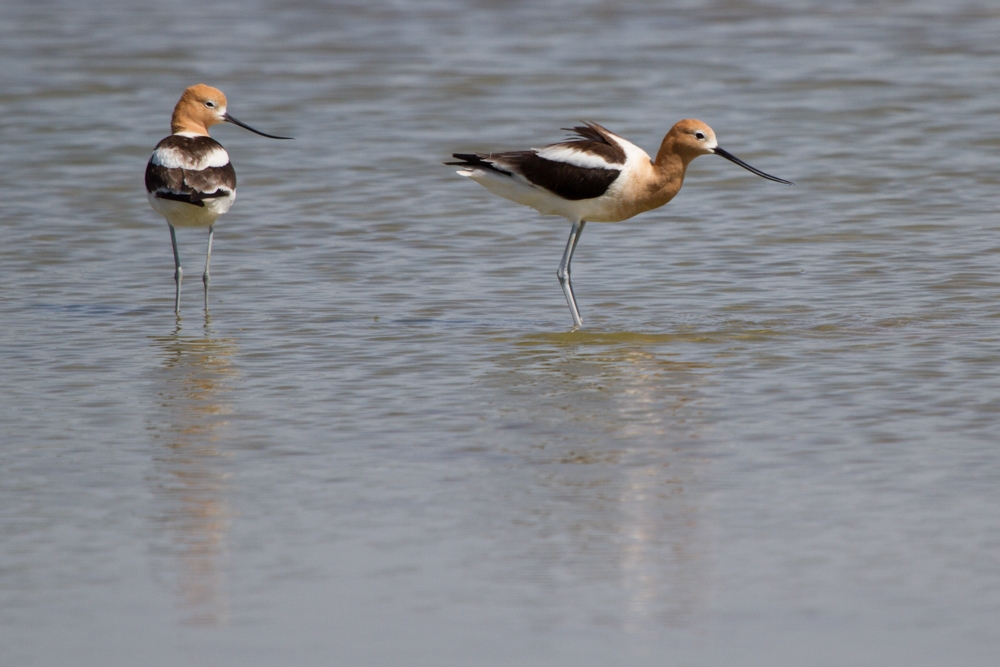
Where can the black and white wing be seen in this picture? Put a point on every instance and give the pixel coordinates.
(580, 168)
(190, 169)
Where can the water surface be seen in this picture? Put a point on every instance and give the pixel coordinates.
(773, 443)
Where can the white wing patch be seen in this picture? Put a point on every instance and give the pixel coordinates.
(174, 158)
(575, 157)
(633, 154)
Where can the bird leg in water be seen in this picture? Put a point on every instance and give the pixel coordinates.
(206, 278)
(563, 272)
(178, 271)
(208, 255)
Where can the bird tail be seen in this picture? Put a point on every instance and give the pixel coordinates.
(472, 161)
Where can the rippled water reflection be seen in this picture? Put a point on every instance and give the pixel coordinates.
(773, 444)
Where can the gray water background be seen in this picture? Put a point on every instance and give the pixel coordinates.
(775, 441)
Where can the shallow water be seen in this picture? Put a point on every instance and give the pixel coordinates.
(773, 443)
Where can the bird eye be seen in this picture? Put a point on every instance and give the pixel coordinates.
(210, 104)
(700, 136)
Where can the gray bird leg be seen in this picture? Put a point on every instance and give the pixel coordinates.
(208, 258)
(178, 271)
(563, 272)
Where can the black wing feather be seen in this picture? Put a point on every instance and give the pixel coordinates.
(597, 140)
(568, 181)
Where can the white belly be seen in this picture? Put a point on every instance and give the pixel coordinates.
(182, 214)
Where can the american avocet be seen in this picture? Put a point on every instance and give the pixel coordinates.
(595, 176)
(189, 180)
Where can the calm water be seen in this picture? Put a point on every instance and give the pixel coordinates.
(774, 442)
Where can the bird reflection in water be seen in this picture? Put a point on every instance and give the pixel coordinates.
(614, 432)
(666, 563)
(192, 387)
